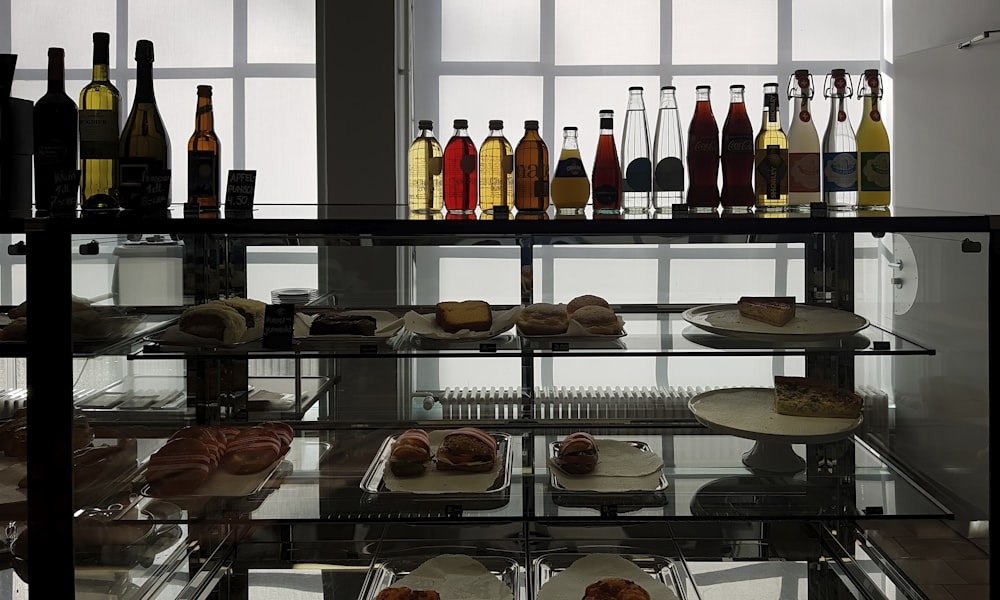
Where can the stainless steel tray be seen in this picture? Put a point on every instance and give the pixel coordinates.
(605, 501)
(661, 568)
(498, 494)
(386, 572)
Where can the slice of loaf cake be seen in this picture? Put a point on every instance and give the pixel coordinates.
(473, 315)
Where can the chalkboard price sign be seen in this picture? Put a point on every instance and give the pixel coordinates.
(155, 191)
(279, 320)
(240, 189)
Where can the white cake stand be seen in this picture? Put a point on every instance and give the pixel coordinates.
(749, 413)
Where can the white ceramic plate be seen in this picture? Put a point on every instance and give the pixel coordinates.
(810, 323)
(749, 413)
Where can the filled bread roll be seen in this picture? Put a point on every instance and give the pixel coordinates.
(577, 453)
(410, 453)
(467, 449)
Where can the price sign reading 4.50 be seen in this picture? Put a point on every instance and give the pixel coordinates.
(240, 190)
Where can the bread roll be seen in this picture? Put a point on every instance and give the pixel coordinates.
(577, 453)
(543, 319)
(598, 320)
(214, 321)
(586, 300)
(467, 449)
(179, 467)
(252, 311)
(252, 451)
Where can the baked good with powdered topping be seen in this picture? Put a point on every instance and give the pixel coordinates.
(809, 397)
(467, 449)
(598, 320)
(773, 310)
(543, 319)
(474, 315)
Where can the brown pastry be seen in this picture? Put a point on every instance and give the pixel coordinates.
(598, 320)
(214, 321)
(405, 593)
(467, 449)
(19, 311)
(252, 312)
(585, 300)
(614, 588)
(578, 453)
(773, 310)
(543, 319)
(410, 453)
(179, 467)
(474, 315)
(284, 432)
(808, 397)
(336, 324)
(252, 451)
(15, 331)
(213, 438)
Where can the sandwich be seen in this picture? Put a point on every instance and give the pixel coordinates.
(467, 449)
(577, 453)
(410, 453)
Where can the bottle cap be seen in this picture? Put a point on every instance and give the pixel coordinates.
(703, 87)
(496, 124)
(606, 111)
(144, 50)
(737, 86)
(774, 83)
(531, 124)
(801, 72)
(667, 87)
(838, 72)
(205, 91)
(425, 124)
(102, 37)
(461, 124)
(57, 53)
(569, 128)
(871, 72)
(635, 88)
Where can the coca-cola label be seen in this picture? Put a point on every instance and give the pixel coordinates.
(772, 172)
(840, 172)
(638, 176)
(669, 175)
(771, 102)
(734, 144)
(875, 172)
(570, 167)
(705, 144)
(803, 171)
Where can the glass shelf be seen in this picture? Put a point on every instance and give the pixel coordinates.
(647, 334)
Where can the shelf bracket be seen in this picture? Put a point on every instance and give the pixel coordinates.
(984, 35)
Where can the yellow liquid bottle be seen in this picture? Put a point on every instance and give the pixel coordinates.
(425, 171)
(570, 187)
(873, 146)
(496, 170)
(771, 156)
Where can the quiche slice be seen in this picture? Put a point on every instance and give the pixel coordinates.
(807, 397)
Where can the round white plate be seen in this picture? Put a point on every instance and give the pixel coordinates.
(810, 323)
(749, 413)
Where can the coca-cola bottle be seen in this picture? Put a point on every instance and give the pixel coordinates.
(668, 154)
(607, 177)
(638, 181)
(703, 154)
(737, 155)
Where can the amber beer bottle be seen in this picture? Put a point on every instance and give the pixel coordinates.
(204, 157)
(771, 156)
(461, 193)
(737, 155)
(703, 154)
(531, 170)
(607, 175)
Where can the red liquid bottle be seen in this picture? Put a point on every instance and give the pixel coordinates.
(607, 177)
(703, 155)
(461, 189)
(737, 155)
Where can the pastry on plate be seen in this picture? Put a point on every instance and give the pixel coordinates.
(615, 588)
(338, 324)
(773, 310)
(405, 593)
(808, 397)
(467, 449)
(598, 320)
(543, 319)
(410, 453)
(585, 300)
(214, 321)
(578, 453)
(474, 315)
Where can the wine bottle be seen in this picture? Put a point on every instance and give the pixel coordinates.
(145, 146)
(100, 120)
(204, 156)
(55, 135)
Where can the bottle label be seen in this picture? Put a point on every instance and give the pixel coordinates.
(669, 175)
(804, 116)
(132, 190)
(507, 163)
(875, 172)
(771, 102)
(98, 134)
(705, 144)
(435, 165)
(840, 172)
(638, 176)
(803, 171)
(772, 172)
(607, 196)
(737, 144)
(203, 174)
(468, 164)
(875, 115)
(570, 167)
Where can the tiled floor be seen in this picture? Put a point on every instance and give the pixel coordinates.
(944, 564)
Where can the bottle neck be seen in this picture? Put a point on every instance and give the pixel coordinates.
(702, 96)
(569, 141)
(770, 117)
(607, 125)
(101, 60)
(204, 120)
(427, 133)
(531, 134)
(635, 101)
(57, 75)
(736, 97)
(463, 132)
(144, 82)
(668, 100)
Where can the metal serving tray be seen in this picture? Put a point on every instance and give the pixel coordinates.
(497, 495)
(621, 501)
(386, 572)
(661, 568)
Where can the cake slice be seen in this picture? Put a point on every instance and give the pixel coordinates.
(773, 310)
(807, 397)
(473, 315)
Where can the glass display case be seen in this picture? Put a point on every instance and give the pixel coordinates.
(703, 491)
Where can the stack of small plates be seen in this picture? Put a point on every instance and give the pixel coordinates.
(294, 295)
